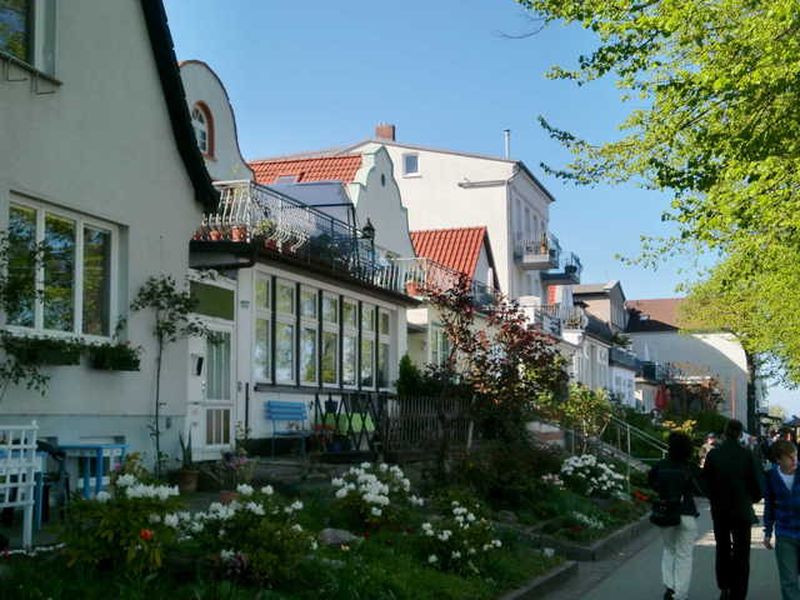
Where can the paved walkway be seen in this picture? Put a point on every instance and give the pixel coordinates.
(635, 573)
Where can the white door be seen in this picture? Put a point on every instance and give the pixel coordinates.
(215, 413)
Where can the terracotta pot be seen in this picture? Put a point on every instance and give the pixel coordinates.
(227, 496)
(215, 235)
(412, 288)
(238, 233)
(187, 481)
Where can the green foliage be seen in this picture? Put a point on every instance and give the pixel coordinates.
(507, 475)
(512, 371)
(114, 356)
(585, 410)
(716, 123)
(126, 529)
(409, 382)
(187, 461)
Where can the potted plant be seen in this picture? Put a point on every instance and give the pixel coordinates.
(263, 231)
(188, 473)
(44, 350)
(114, 357)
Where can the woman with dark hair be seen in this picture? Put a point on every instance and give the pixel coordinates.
(676, 484)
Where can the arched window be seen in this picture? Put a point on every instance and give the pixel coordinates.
(203, 124)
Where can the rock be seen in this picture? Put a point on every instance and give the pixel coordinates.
(506, 516)
(337, 537)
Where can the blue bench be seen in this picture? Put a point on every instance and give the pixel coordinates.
(289, 420)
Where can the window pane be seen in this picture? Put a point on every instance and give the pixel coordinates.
(350, 315)
(330, 351)
(330, 309)
(15, 36)
(261, 351)
(285, 298)
(349, 357)
(383, 365)
(367, 362)
(96, 281)
(308, 304)
(368, 318)
(262, 293)
(59, 273)
(218, 370)
(284, 352)
(21, 265)
(410, 163)
(384, 323)
(308, 355)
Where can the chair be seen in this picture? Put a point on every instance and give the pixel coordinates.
(57, 481)
(19, 465)
(294, 416)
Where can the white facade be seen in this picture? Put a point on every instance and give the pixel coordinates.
(451, 189)
(95, 149)
(718, 355)
(294, 333)
(622, 383)
(590, 360)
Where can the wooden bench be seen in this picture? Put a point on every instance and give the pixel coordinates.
(289, 420)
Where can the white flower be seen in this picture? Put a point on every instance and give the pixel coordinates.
(314, 544)
(244, 489)
(171, 520)
(297, 527)
(255, 508)
(126, 480)
(337, 482)
(432, 559)
(376, 512)
(102, 496)
(196, 526)
(267, 490)
(455, 554)
(154, 518)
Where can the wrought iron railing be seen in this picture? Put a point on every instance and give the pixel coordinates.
(546, 245)
(554, 318)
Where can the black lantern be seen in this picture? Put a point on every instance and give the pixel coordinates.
(368, 231)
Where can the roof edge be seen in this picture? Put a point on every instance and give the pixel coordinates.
(163, 48)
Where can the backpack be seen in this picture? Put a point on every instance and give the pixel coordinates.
(666, 512)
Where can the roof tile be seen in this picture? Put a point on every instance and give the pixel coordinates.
(458, 249)
(330, 168)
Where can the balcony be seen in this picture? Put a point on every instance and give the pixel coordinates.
(415, 275)
(555, 318)
(624, 358)
(273, 224)
(539, 254)
(568, 271)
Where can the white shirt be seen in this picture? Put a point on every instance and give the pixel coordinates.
(788, 479)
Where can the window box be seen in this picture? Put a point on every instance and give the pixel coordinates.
(114, 357)
(43, 351)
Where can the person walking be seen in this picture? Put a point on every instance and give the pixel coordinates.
(782, 513)
(734, 482)
(676, 483)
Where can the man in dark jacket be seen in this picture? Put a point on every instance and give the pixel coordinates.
(734, 482)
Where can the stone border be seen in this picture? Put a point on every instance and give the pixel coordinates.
(536, 587)
(599, 549)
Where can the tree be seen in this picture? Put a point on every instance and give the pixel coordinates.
(515, 372)
(717, 124)
(172, 313)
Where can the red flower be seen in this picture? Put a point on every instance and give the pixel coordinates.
(146, 534)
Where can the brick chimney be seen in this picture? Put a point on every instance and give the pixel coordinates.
(385, 131)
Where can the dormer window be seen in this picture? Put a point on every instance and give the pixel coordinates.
(203, 124)
(410, 165)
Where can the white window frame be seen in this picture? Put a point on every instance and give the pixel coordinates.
(384, 339)
(263, 313)
(331, 327)
(406, 172)
(43, 33)
(310, 322)
(439, 345)
(368, 336)
(286, 319)
(350, 331)
(81, 221)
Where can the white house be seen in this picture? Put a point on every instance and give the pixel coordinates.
(606, 303)
(654, 326)
(312, 308)
(98, 164)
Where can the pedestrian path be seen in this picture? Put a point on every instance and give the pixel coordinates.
(636, 574)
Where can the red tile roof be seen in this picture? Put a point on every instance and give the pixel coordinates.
(661, 314)
(457, 249)
(330, 168)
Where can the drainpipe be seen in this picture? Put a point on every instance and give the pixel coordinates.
(507, 140)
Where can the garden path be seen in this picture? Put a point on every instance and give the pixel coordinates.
(635, 572)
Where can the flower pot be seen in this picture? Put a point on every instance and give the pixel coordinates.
(227, 496)
(187, 481)
(238, 233)
(412, 288)
(215, 235)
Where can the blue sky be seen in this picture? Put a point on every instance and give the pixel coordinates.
(310, 75)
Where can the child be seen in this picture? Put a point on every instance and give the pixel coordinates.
(782, 511)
